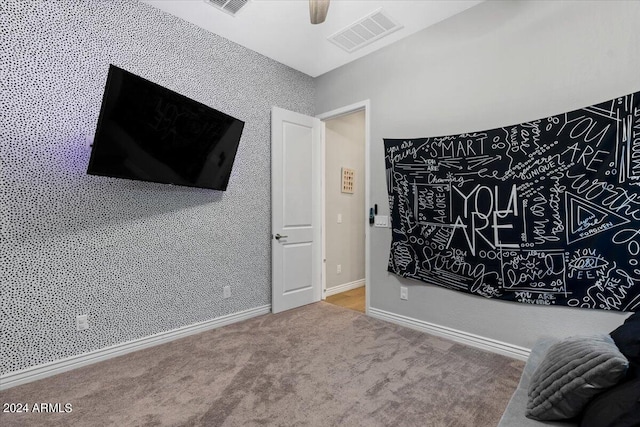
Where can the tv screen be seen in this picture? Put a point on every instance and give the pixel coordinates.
(150, 133)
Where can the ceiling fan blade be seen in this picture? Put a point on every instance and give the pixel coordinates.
(318, 10)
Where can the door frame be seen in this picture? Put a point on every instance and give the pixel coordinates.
(352, 108)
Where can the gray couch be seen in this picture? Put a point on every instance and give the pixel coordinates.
(514, 414)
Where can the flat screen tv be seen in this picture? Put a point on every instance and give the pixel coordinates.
(150, 133)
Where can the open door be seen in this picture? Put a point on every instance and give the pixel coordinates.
(295, 209)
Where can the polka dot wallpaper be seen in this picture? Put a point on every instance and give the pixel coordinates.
(138, 258)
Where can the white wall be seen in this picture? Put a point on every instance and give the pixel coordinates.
(344, 138)
(495, 64)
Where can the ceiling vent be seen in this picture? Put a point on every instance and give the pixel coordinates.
(365, 31)
(229, 6)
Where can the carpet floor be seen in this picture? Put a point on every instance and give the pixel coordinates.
(318, 365)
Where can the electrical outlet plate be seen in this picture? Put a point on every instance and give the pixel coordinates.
(226, 292)
(404, 293)
(339, 269)
(82, 322)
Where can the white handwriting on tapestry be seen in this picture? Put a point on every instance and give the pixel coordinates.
(544, 212)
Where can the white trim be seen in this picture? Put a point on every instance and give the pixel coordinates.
(367, 203)
(13, 379)
(466, 338)
(344, 287)
(366, 106)
(323, 214)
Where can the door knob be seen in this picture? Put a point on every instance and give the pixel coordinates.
(278, 237)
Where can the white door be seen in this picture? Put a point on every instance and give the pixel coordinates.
(295, 209)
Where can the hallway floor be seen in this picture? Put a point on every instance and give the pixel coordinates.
(353, 299)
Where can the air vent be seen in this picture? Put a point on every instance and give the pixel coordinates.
(229, 6)
(364, 31)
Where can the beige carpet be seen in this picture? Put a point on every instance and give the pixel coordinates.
(318, 365)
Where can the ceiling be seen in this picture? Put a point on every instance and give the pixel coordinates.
(280, 29)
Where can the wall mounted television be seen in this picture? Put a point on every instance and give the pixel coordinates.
(147, 132)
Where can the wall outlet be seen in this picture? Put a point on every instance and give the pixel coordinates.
(82, 322)
(339, 269)
(88, 141)
(226, 292)
(404, 293)
(339, 218)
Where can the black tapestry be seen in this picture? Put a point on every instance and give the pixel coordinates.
(544, 212)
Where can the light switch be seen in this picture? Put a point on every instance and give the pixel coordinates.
(381, 221)
(339, 218)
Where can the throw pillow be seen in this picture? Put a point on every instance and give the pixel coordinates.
(571, 373)
(627, 337)
(616, 407)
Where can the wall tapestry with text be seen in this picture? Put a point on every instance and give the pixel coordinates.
(544, 212)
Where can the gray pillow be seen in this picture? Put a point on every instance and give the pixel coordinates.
(571, 373)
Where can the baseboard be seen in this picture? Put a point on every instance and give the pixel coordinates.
(473, 340)
(344, 287)
(13, 379)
